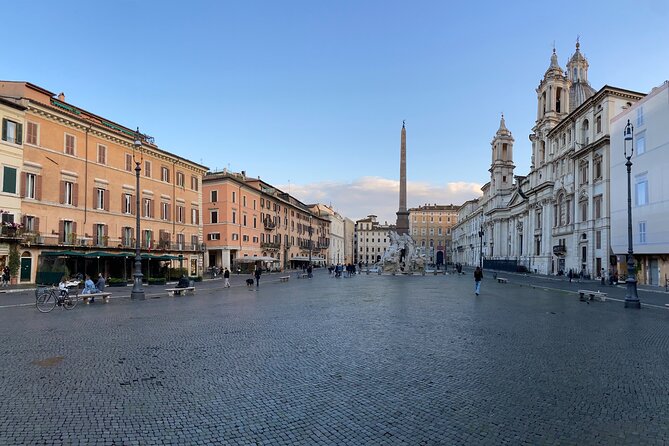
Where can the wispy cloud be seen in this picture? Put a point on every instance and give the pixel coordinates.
(380, 196)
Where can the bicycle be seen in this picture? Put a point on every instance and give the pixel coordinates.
(46, 299)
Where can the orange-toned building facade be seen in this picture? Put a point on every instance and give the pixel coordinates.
(78, 190)
(247, 221)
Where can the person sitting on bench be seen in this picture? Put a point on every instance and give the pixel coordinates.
(100, 284)
(183, 282)
(89, 287)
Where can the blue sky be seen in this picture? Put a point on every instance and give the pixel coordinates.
(311, 95)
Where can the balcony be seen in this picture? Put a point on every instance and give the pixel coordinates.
(559, 250)
(269, 224)
(270, 245)
(10, 232)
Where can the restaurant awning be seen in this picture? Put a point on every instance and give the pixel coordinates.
(249, 259)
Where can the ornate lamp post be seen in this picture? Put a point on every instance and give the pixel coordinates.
(481, 234)
(631, 296)
(138, 157)
(310, 231)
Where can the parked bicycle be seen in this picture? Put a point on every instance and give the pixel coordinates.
(46, 299)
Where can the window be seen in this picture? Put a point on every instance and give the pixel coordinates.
(235, 237)
(598, 168)
(101, 199)
(583, 170)
(244, 220)
(69, 144)
(128, 162)
(31, 133)
(213, 216)
(641, 190)
(127, 204)
(234, 217)
(642, 232)
(31, 182)
(68, 192)
(244, 201)
(180, 179)
(164, 210)
(148, 239)
(584, 210)
(598, 239)
(214, 236)
(538, 220)
(194, 216)
(234, 197)
(245, 238)
(641, 143)
(639, 117)
(9, 180)
(194, 183)
(30, 223)
(597, 202)
(165, 174)
(99, 235)
(254, 204)
(67, 234)
(147, 169)
(255, 222)
(598, 124)
(214, 196)
(126, 236)
(180, 214)
(147, 208)
(537, 250)
(11, 131)
(102, 154)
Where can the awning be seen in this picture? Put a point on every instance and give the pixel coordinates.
(62, 253)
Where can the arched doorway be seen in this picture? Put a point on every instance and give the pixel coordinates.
(26, 266)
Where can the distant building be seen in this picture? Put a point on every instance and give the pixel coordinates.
(650, 187)
(372, 239)
(430, 227)
(335, 251)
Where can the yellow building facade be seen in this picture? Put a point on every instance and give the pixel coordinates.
(430, 227)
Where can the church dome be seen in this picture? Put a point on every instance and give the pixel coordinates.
(579, 92)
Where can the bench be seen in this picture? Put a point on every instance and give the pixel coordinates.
(88, 297)
(585, 295)
(180, 291)
(502, 280)
(284, 278)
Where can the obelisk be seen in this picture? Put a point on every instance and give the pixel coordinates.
(402, 225)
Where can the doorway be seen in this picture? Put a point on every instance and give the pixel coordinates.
(26, 267)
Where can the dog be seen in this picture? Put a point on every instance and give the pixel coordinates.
(249, 282)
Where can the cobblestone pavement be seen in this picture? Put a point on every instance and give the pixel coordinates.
(370, 360)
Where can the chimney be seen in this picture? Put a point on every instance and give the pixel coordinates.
(61, 96)
(244, 174)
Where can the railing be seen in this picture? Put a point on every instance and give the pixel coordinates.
(10, 232)
(269, 224)
(270, 245)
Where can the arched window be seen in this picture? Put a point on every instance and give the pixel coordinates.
(585, 136)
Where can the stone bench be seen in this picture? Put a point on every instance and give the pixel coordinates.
(502, 280)
(284, 278)
(585, 295)
(180, 291)
(88, 297)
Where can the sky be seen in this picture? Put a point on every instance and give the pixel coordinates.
(310, 95)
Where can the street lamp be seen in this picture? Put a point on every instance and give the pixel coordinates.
(481, 248)
(138, 157)
(631, 296)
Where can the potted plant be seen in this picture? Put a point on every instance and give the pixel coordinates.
(114, 281)
(14, 263)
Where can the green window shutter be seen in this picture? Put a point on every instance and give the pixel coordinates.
(4, 130)
(19, 133)
(9, 180)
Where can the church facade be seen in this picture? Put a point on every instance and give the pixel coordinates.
(557, 217)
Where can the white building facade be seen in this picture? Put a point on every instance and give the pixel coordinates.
(556, 218)
(372, 240)
(650, 209)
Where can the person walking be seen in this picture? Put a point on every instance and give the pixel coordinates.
(570, 275)
(226, 276)
(478, 276)
(257, 274)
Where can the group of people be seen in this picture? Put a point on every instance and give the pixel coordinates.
(5, 276)
(90, 287)
(337, 270)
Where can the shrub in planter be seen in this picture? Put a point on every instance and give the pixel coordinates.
(196, 278)
(113, 281)
(157, 281)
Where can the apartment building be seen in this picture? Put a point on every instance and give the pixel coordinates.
(430, 227)
(372, 240)
(256, 223)
(77, 185)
